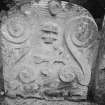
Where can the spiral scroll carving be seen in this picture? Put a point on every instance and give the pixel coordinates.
(14, 30)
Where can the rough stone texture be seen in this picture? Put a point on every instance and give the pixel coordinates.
(48, 51)
(99, 74)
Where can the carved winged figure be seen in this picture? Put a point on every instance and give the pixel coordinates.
(48, 50)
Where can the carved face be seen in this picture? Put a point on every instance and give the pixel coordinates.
(48, 56)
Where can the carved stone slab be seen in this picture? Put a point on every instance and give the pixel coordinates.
(48, 51)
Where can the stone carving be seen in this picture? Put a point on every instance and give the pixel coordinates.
(99, 73)
(48, 50)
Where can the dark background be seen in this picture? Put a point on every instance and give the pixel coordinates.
(96, 7)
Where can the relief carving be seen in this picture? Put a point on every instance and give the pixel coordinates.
(48, 53)
(99, 73)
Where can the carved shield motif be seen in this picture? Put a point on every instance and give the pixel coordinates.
(48, 51)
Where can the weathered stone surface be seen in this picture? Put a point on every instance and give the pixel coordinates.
(48, 51)
(99, 77)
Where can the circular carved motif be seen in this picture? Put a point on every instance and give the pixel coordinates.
(66, 75)
(16, 30)
(81, 31)
(26, 74)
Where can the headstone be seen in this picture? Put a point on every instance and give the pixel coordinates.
(48, 50)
